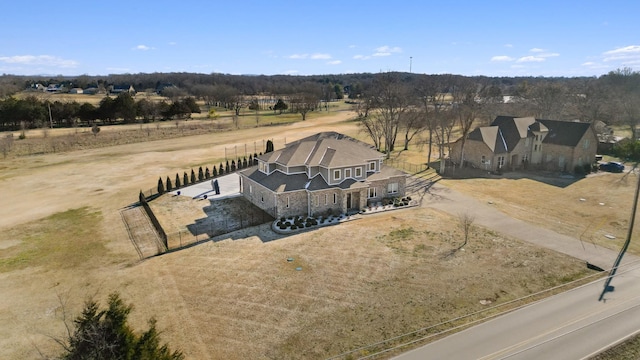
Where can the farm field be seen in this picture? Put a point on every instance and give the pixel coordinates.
(62, 240)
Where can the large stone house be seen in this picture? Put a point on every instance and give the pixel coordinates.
(324, 173)
(511, 143)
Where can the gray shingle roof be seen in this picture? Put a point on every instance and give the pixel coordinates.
(327, 149)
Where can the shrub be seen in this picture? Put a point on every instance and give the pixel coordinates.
(214, 172)
(177, 181)
(200, 174)
(578, 170)
(233, 165)
(207, 174)
(193, 176)
(160, 186)
(227, 168)
(185, 179)
(587, 168)
(169, 187)
(221, 169)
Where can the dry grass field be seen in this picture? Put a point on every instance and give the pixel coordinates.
(62, 240)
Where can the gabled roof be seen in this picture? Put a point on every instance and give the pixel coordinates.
(513, 129)
(326, 149)
(491, 136)
(567, 133)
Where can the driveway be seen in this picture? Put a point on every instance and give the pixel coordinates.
(439, 197)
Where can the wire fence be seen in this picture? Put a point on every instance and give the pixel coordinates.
(210, 228)
(406, 166)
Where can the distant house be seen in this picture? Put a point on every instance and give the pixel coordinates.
(54, 88)
(76, 91)
(515, 143)
(118, 89)
(325, 172)
(90, 91)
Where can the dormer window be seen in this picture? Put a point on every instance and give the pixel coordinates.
(347, 173)
(358, 172)
(372, 166)
(337, 175)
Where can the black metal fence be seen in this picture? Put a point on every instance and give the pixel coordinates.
(154, 220)
(406, 166)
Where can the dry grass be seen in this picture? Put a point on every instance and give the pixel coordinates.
(238, 297)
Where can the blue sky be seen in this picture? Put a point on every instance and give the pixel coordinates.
(493, 38)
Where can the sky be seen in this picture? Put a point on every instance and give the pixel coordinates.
(305, 37)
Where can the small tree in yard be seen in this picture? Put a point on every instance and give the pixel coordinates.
(465, 221)
(105, 334)
(207, 174)
(221, 171)
(193, 176)
(160, 186)
(169, 186)
(227, 168)
(95, 129)
(200, 174)
(233, 165)
(177, 181)
(269, 147)
(214, 171)
(185, 179)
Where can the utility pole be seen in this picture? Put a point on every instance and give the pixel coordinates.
(607, 286)
(410, 63)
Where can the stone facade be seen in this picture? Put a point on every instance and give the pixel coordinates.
(556, 146)
(322, 174)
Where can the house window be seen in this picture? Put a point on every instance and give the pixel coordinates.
(586, 143)
(335, 198)
(500, 161)
(392, 188)
(317, 200)
(525, 158)
(372, 166)
(287, 201)
(336, 174)
(250, 189)
(262, 198)
(358, 172)
(372, 193)
(326, 199)
(535, 147)
(483, 160)
(347, 173)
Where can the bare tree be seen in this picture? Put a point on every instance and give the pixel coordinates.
(465, 221)
(412, 122)
(465, 107)
(391, 100)
(306, 99)
(625, 103)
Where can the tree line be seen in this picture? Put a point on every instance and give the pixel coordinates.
(32, 112)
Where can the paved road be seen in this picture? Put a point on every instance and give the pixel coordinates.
(571, 325)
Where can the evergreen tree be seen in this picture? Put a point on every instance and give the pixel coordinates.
(200, 174)
(169, 187)
(245, 164)
(177, 181)
(185, 179)
(233, 165)
(227, 168)
(221, 171)
(215, 172)
(193, 177)
(160, 186)
(105, 334)
(250, 160)
(207, 174)
(269, 146)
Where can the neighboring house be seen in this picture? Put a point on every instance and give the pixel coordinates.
(90, 91)
(515, 143)
(324, 173)
(117, 89)
(76, 91)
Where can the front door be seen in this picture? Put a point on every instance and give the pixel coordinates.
(349, 201)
